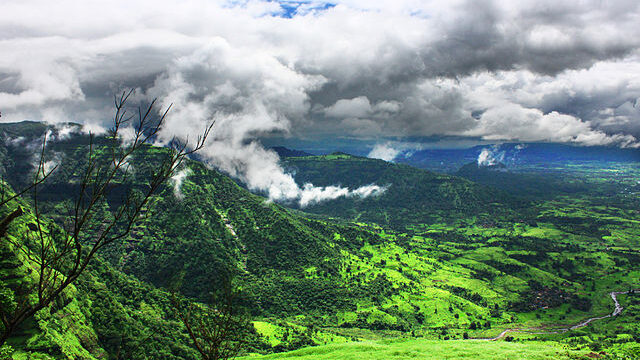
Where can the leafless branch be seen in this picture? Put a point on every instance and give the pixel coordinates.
(61, 257)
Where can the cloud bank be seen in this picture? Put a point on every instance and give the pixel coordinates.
(385, 151)
(558, 71)
(312, 194)
(391, 150)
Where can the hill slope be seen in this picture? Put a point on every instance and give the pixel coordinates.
(528, 185)
(315, 281)
(412, 196)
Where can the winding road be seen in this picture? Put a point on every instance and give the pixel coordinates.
(616, 312)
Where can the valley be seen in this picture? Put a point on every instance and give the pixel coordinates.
(617, 310)
(428, 268)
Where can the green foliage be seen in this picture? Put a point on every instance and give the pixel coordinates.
(447, 259)
(5, 352)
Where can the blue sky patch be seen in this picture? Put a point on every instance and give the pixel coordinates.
(292, 8)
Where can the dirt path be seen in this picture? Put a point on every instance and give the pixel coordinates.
(617, 310)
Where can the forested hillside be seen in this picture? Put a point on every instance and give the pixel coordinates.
(195, 235)
(448, 260)
(412, 196)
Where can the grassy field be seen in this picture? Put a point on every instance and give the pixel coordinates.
(431, 349)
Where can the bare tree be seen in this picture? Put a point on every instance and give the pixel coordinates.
(217, 331)
(6, 197)
(60, 254)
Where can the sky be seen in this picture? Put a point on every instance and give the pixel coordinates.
(526, 71)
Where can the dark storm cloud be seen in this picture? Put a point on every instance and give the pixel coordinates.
(543, 37)
(564, 71)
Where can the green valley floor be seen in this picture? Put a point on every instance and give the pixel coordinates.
(433, 349)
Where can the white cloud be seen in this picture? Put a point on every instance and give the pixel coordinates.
(350, 108)
(65, 131)
(490, 157)
(246, 93)
(127, 135)
(369, 190)
(384, 151)
(312, 194)
(514, 122)
(391, 150)
(91, 127)
(529, 71)
(177, 179)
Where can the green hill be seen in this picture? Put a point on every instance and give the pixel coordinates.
(104, 313)
(525, 184)
(412, 196)
(474, 269)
